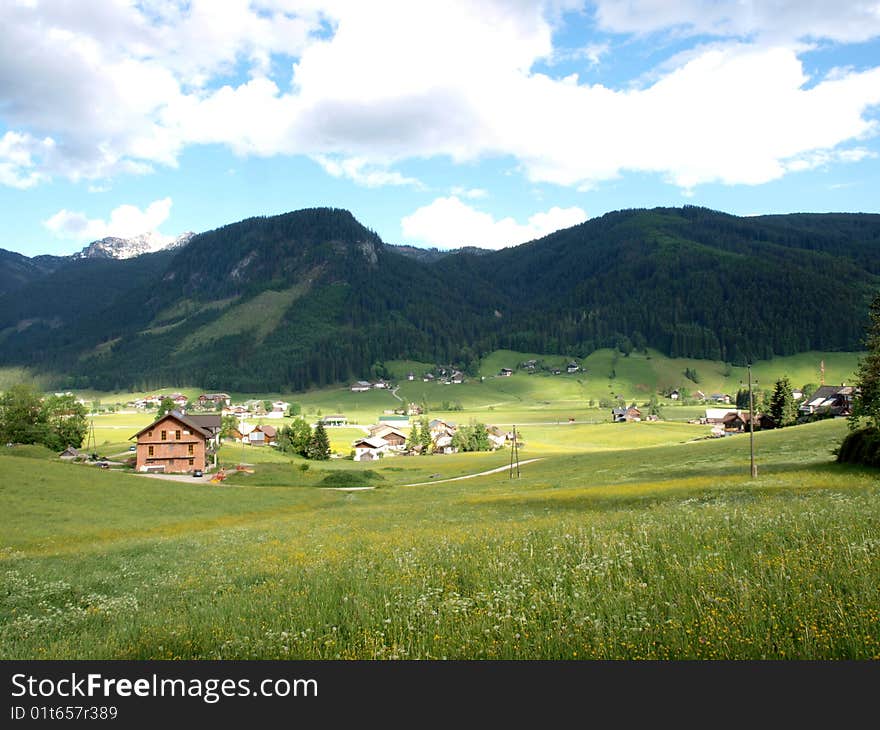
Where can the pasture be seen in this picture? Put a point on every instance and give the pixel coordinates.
(622, 541)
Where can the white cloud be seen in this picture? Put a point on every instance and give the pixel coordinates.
(471, 193)
(358, 170)
(94, 89)
(450, 223)
(17, 164)
(852, 21)
(126, 221)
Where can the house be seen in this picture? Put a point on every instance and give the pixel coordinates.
(457, 378)
(270, 432)
(836, 400)
(530, 364)
(674, 395)
(555, 371)
(394, 437)
(242, 431)
(361, 386)
(173, 443)
(497, 436)
(413, 409)
(410, 376)
(280, 405)
(699, 395)
(260, 435)
(438, 426)
(70, 453)
(572, 367)
(506, 372)
(621, 414)
(734, 422)
(256, 407)
(222, 399)
(238, 411)
(369, 448)
(211, 423)
(717, 415)
(764, 422)
(381, 384)
(335, 420)
(179, 399)
(428, 378)
(797, 394)
(719, 398)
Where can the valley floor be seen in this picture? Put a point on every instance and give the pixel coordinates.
(639, 542)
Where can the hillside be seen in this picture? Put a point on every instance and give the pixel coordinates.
(313, 297)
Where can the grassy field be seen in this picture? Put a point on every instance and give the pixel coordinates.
(627, 541)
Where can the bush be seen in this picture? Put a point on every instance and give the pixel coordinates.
(366, 478)
(860, 447)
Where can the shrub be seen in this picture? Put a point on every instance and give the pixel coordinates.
(860, 447)
(366, 478)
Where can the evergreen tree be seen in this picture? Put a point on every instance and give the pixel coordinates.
(866, 404)
(783, 409)
(319, 446)
(425, 435)
(414, 438)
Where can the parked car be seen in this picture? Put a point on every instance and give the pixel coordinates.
(197, 473)
(132, 448)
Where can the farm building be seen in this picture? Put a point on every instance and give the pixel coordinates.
(172, 444)
(836, 400)
(369, 448)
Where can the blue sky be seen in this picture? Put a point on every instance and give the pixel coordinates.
(436, 124)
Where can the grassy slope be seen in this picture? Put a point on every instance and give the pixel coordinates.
(647, 551)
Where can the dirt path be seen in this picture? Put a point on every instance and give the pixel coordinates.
(470, 476)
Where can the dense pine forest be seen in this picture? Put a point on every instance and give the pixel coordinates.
(313, 297)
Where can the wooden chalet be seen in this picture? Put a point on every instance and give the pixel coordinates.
(369, 448)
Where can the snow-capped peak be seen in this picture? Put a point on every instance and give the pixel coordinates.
(127, 248)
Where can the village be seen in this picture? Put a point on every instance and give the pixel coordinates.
(187, 437)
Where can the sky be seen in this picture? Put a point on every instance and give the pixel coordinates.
(440, 124)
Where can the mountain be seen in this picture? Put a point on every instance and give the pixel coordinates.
(127, 248)
(17, 270)
(313, 297)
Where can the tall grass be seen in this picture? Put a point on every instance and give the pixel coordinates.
(657, 552)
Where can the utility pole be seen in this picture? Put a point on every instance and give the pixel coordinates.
(752, 426)
(514, 456)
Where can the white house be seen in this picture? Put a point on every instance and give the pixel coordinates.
(369, 448)
(361, 386)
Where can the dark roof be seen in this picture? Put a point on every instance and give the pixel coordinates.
(618, 411)
(209, 422)
(180, 418)
(827, 391)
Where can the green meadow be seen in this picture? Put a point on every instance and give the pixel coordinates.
(622, 541)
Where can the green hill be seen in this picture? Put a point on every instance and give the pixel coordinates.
(313, 297)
